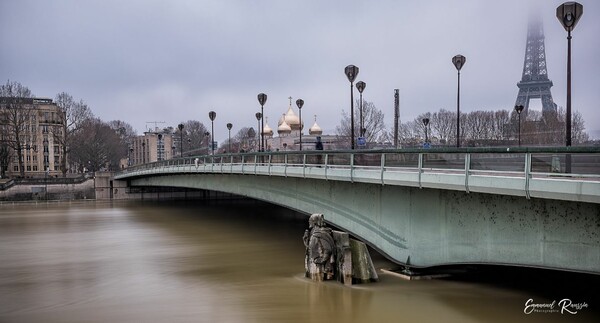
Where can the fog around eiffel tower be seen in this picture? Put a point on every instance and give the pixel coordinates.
(174, 61)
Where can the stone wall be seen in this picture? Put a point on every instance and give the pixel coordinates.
(42, 191)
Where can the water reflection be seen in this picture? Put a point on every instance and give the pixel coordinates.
(189, 262)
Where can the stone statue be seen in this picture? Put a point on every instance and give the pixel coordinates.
(320, 249)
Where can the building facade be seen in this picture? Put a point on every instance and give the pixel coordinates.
(153, 146)
(30, 130)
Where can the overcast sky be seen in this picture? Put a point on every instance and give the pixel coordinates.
(172, 61)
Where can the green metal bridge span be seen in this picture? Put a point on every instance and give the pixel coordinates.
(424, 207)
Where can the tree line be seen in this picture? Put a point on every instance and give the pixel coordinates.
(477, 128)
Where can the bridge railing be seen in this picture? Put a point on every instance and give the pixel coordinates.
(514, 171)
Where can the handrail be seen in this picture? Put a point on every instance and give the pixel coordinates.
(436, 155)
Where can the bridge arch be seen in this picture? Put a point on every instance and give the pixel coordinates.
(426, 223)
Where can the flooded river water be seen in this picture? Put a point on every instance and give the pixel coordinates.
(194, 262)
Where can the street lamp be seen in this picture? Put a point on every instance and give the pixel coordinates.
(351, 72)
(262, 99)
(229, 126)
(568, 14)
(360, 86)
(206, 134)
(260, 130)
(458, 62)
(300, 103)
(180, 127)
(519, 109)
(426, 123)
(212, 115)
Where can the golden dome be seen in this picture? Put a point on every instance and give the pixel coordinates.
(290, 118)
(284, 128)
(267, 131)
(315, 129)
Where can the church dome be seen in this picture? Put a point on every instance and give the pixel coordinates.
(284, 128)
(267, 131)
(315, 129)
(290, 118)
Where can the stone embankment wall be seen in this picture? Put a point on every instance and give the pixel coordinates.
(45, 191)
(101, 186)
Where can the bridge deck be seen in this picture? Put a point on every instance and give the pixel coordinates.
(530, 173)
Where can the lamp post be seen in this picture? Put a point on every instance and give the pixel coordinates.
(519, 109)
(458, 62)
(351, 72)
(300, 103)
(229, 126)
(212, 115)
(426, 123)
(260, 130)
(568, 14)
(360, 86)
(180, 127)
(206, 134)
(262, 99)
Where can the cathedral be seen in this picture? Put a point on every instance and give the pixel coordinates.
(289, 128)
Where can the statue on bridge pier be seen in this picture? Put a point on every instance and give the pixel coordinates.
(320, 249)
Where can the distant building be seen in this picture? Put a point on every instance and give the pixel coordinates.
(40, 123)
(153, 146)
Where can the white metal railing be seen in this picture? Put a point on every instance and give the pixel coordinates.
(514, 171)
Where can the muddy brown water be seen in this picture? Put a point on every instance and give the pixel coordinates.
(241, 262)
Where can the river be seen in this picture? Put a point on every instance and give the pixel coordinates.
(240, 262)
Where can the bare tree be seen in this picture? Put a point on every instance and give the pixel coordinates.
(443, 125)
(193, 136)
(501, 125)
(15, 114)
(126, 134)
(240, 141)
(578, 134)
(71, 118)
(373, 121)
(478, 125)
(97, 146)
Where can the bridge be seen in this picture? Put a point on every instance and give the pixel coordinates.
(423, 207)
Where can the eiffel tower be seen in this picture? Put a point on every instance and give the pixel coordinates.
(534, 83)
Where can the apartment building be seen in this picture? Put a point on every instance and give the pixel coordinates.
(30, 129)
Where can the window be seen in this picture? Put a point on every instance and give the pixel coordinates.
(28, 168)
(16, 168)
(35, 168)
